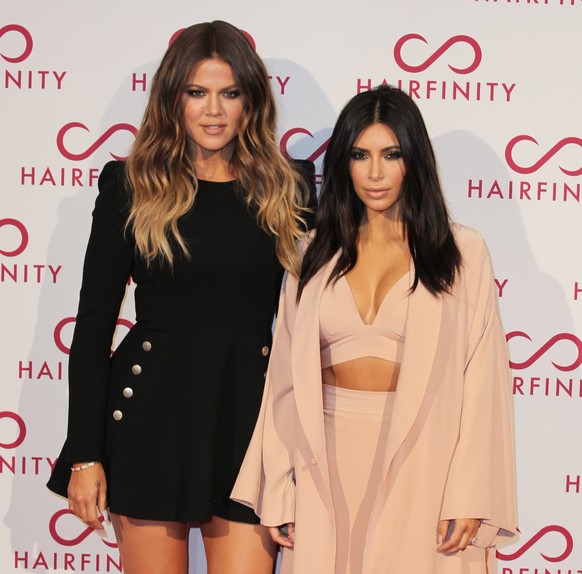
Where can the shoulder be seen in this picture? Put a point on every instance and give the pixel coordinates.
(113, 181)
(469, 241)
(306, 171)
(477, 268)
(112, 171)
(304, 167)
(114, 193)
(305, 241)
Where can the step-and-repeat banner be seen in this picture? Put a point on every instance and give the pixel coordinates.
(500, 85)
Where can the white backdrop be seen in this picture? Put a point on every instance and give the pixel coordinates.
(500, 86)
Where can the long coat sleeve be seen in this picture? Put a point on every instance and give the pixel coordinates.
(450, 443)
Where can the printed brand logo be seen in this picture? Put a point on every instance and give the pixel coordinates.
(247, 35)
(460, 39)
(98, 143)
(284, 144)
(58, 332)
(575, 341)
(27, 43)
(569, 541)
(466, 54)
(21, 243)
(55, 518)
(509, 150)
(21, 429)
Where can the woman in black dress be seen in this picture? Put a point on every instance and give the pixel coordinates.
(203, 216)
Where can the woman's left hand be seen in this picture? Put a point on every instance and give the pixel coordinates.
(463, 532)
(283, 535)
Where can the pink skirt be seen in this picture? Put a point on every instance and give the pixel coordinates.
(356, 433)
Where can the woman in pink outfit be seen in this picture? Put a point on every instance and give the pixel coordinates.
(385, 440)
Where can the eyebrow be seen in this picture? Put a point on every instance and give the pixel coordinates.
(383, 150)
(224, 89)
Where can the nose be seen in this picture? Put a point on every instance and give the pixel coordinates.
(214, 105)
(376, 169)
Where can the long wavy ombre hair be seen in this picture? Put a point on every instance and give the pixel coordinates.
(161, 174)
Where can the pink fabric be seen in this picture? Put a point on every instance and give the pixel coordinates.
(450, 445)
(356, 433)
(344, 336)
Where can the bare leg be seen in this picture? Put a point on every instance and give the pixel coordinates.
(151, 546)
(237, 548)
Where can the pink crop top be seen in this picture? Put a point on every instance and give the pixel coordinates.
(343, 336)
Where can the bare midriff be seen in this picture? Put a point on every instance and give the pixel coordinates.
(365, 374)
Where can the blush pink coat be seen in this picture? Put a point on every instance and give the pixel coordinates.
(450, 443)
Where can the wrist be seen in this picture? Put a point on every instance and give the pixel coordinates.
(83, 466)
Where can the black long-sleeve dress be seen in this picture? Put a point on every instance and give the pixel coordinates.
(171, 412)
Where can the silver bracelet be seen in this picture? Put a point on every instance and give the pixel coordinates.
(84, 466)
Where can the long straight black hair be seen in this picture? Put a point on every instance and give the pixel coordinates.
(423, 209)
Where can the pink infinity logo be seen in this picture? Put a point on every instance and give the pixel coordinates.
(73, 541)
(27, 40)
(98, 143)
(21, 429)
(23, 237)
(460, 39)
(545, 348)
(58, 332)
(544, 159)
(288, 135)
(538, 536)
(247, 35)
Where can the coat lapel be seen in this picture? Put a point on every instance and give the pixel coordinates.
(306, 364)
(423, 326)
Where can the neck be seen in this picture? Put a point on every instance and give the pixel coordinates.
(209, 172)
(213, 166)
(385, 227)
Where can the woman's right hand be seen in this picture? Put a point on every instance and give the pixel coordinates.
(283, 535)
(87, 495)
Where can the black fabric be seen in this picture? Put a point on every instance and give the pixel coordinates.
(177, 449)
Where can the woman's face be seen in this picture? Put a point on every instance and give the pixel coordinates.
(212, 105)
(377, 168)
